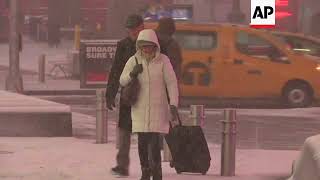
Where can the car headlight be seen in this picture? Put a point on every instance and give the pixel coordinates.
(318, 67)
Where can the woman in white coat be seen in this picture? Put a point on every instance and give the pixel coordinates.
(151, 113)
(307, 166)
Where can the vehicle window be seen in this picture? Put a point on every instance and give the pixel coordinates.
(196, 41)
(256, 46)
(302, 45)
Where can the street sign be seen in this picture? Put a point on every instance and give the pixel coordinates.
(96, 57)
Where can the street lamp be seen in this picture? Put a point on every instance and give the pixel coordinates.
(236, 16)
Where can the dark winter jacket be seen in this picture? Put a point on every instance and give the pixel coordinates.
(125, 49)
(171, 48)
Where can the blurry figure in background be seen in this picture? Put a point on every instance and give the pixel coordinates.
(125, 49)
(55, 18)
(169, 46)
(54, 34)
(151, 112)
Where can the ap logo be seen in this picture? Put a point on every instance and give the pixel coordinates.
(263, 13)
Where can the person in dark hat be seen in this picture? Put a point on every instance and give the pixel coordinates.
(169, 46)
(125, 49)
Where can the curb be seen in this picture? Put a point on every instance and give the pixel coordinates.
(60, 92)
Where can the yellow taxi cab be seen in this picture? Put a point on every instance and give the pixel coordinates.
(232, 61)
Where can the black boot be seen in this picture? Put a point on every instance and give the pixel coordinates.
(157, 172)
(146, 173)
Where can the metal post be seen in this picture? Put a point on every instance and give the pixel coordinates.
(73, 56)
(228, 146)
(101, 124)
(197, 115)
(14, 79)
(38, 32)
(77, 37)
(42, 68)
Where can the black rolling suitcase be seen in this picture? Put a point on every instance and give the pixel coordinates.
(189, 149)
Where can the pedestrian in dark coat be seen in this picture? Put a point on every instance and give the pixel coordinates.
(169, 46)
(125, 49)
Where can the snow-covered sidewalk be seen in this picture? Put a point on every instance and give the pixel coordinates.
(80, 159)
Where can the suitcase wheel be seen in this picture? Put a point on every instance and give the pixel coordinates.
(171, 164)
(178, 171)
(204, 173)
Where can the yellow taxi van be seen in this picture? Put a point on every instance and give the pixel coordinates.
(233, 61)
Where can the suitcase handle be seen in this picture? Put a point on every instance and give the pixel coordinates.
(178, 118)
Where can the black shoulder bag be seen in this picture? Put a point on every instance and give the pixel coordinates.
(130, 92)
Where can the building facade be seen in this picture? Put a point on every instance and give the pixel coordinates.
(309, 15)
(291, 15)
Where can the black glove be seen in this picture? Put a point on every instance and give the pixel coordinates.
(137, 69)
(110, 103)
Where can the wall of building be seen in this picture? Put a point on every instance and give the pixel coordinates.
(203, 11)
(218, 11)
(309, 8)
(72, 10)
(210, 11)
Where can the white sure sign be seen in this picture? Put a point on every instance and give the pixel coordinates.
(263, 13)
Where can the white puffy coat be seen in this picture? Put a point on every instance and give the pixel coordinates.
(307, 166)
(151, 113)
